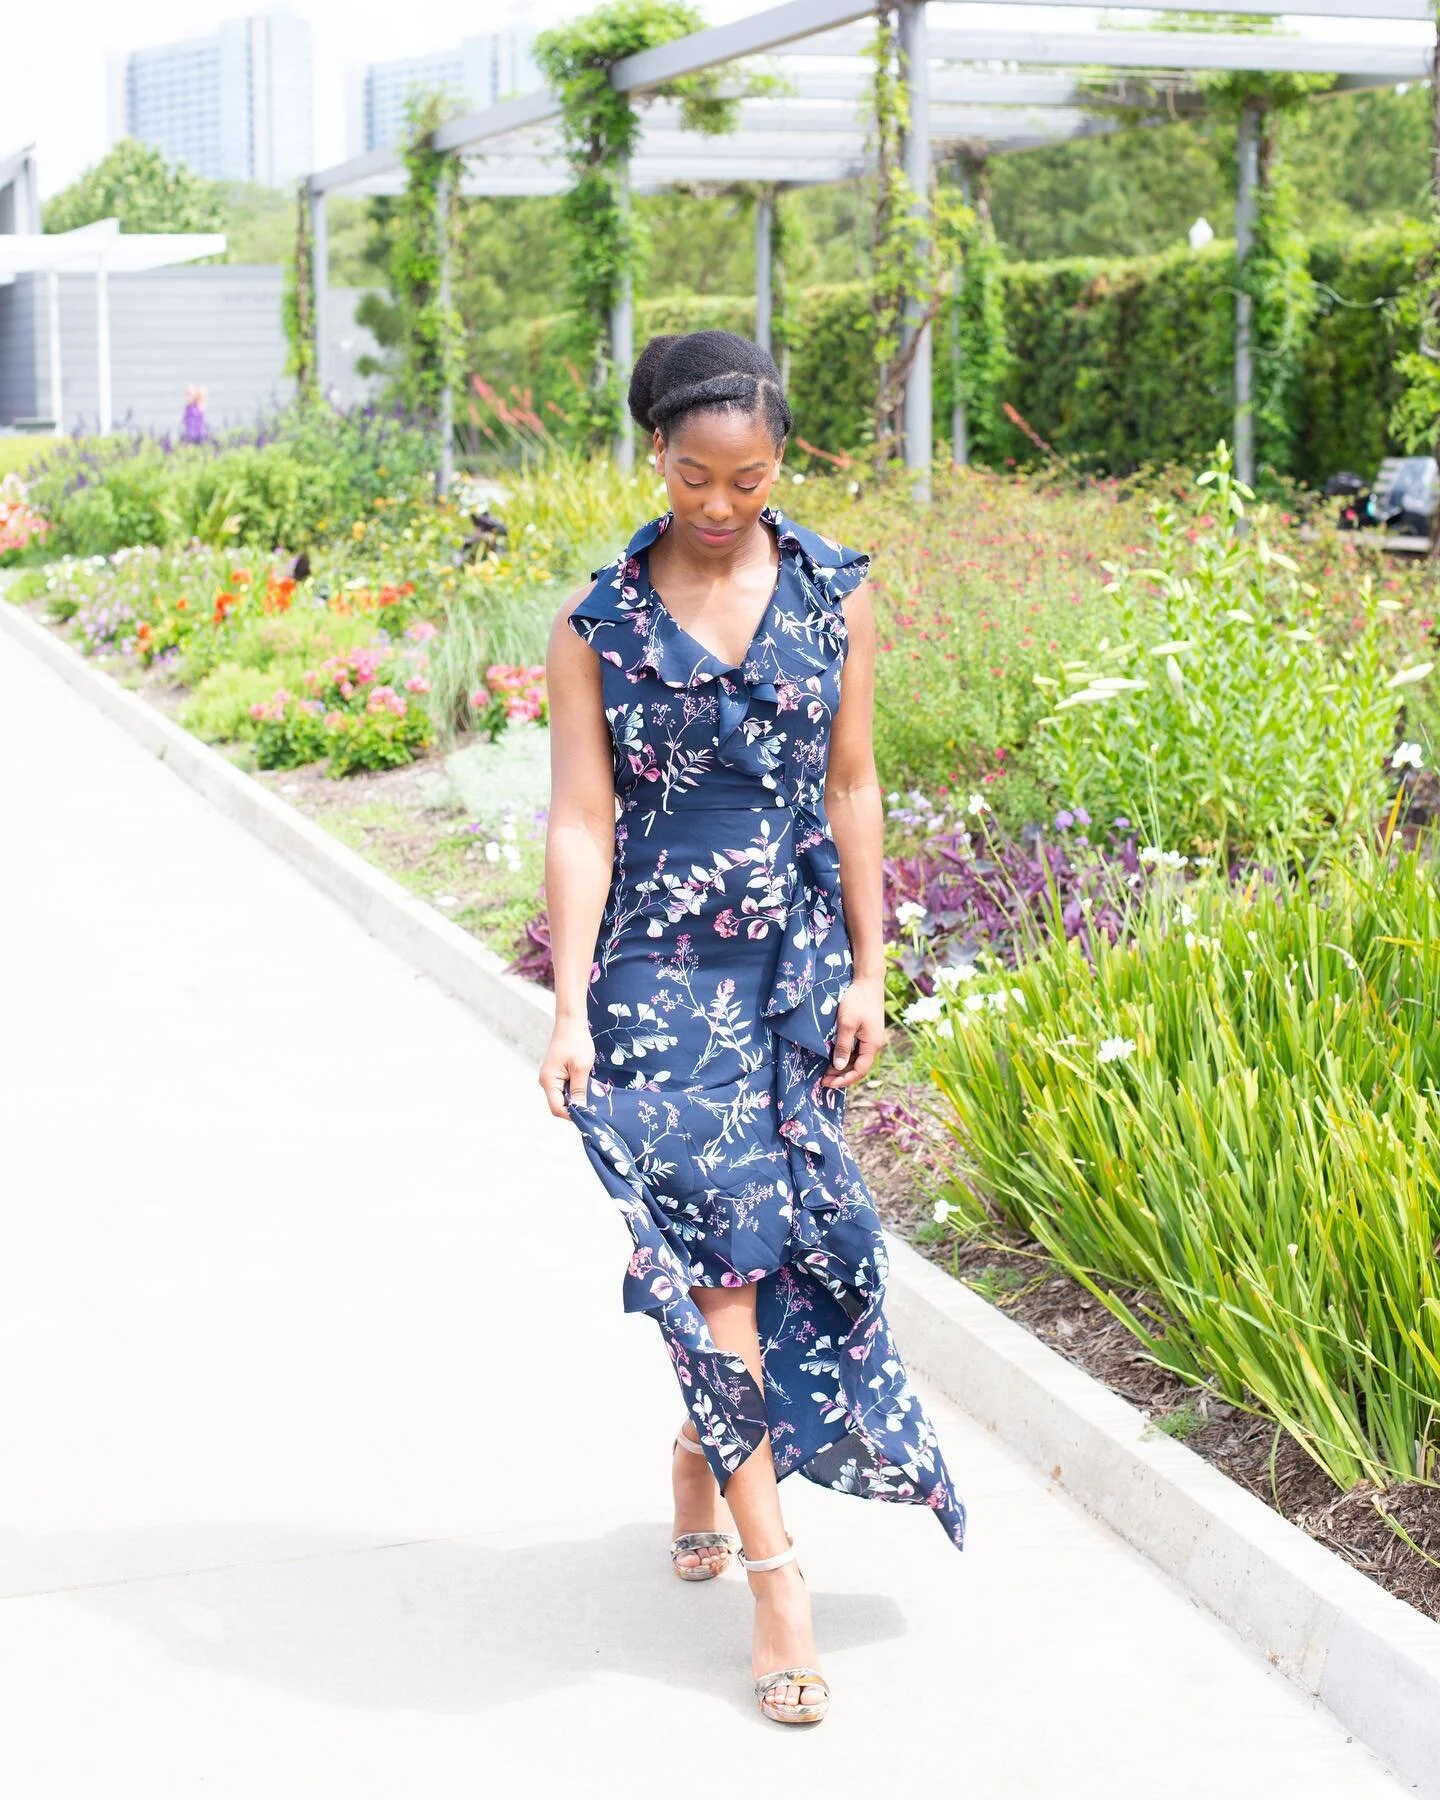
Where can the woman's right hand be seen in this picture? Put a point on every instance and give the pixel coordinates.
(567, 1064)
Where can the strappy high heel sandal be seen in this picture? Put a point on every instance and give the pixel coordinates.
(714, 1548)
(766, 1685)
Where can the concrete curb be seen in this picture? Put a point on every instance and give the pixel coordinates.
(1373, 1661)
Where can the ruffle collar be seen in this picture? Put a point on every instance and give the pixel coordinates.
(803, 615)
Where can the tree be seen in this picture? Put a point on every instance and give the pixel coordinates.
(133, 183)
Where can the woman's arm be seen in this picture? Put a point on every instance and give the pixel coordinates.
(857, 816)
(579, 850)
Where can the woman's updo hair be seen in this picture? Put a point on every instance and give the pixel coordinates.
(707, 371)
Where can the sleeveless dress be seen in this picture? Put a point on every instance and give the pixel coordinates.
(719, 965)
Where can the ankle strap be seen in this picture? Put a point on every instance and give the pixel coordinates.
(758, 1565)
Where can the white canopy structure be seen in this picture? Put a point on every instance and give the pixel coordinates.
(972, 91)
(100, 249)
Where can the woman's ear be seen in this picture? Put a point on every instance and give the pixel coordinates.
(658, 443)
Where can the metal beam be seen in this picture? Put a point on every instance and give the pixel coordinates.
(445, 477)
(1246, 188)
(622, 347)
(918, 426)
(764, 226)
(320, 286)
(724, 43)
(1168, 50)
(519, 114)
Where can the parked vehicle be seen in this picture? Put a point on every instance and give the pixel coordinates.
(1403, 498)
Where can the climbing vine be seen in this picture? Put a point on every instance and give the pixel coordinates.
(913, 242)
(427, 332)
(600, 128)
(300, 312)
(1276, 272)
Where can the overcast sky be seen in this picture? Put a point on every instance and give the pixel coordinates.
(54, 83)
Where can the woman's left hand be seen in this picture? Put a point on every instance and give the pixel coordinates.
(860, 1035)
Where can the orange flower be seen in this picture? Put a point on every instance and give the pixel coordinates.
(182, 604)
(240, 577)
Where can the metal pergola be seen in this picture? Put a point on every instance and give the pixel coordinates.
(972, 92)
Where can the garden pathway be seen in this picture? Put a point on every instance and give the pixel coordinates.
(331, 1466)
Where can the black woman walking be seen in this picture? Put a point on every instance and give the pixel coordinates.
(719, 978)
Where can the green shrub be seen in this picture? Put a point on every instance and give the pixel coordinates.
(1232, 1111)
(219, 708)
(1222, 720)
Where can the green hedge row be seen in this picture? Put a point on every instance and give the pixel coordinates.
(1115, 363)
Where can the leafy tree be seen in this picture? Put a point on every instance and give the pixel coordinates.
(133, 183)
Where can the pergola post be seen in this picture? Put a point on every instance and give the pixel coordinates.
(102, 345)
(52, 295)
(916, 418)
(622, 336)
(959, 425)
(1248, 179)
(320, 285)
(764, 225)
(446, 476)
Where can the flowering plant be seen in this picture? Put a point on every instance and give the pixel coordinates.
(512, 694)
(20, 524)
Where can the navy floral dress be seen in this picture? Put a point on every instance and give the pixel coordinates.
(719, 965)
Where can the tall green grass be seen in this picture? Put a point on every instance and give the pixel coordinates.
(1233, 1113)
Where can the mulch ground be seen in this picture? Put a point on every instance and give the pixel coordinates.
(1368, 1526)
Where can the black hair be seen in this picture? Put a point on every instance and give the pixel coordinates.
(703, 371)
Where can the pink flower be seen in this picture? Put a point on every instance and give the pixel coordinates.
(479, 700)
(421, 631)
(727, 924)
(417, 684)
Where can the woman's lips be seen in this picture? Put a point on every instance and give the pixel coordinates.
(713, 537)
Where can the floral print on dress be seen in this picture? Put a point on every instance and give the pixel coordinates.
(719, 965)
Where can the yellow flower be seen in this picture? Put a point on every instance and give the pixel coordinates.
(357, 530)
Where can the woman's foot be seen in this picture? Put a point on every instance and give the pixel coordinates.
(698, 1508)
(784, 1634)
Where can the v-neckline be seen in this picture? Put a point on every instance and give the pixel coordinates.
(759, 631)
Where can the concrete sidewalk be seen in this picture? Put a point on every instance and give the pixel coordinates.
(331, 1465)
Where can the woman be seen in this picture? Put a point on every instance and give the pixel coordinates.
(714, 1000)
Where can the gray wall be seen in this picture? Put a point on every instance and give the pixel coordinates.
(217, 327)
(17, 349)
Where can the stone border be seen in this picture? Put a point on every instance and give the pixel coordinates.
(1372, 1660)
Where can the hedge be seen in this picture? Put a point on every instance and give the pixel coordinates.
(1116, 363)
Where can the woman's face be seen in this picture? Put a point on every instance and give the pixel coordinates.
(718, 468)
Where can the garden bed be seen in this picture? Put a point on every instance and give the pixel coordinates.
(1022, 1281)
(1229, 713)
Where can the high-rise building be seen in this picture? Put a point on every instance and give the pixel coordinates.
(479, 72)
(234, 107)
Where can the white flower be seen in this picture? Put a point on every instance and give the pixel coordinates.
(1294, 1249)
(1187, 914)
(940, 1212)
(1162, 859)
(492, 852)
(1408, 756)
(797, 480)
(910, 912)
(945, 1029)
(955, 974)
(1116, 1049)
(977, 803)
(924, 1010)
